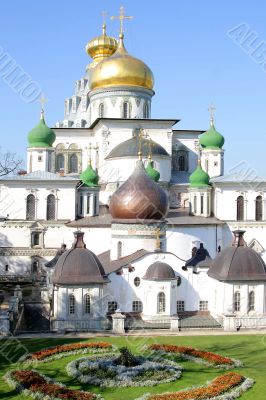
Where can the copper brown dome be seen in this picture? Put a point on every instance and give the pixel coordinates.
(159, 271)
(79, 266)
(238, 263)
(139, 198)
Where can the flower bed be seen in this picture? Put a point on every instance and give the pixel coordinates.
(104, 371)
(228, 386)
(31, 383)
(195, 354)
(63, 350)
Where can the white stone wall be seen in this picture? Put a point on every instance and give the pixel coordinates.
(212, 162)
(14, 195)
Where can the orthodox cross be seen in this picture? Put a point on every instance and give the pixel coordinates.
(104, 15)
(90, 148)
(151, 144)
(122, 17)
(211, 110)
(42, 100)
(158, 239)
(140, 136)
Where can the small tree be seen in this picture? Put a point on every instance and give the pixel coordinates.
(9, 163)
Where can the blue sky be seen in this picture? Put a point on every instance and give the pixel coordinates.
(186, 43)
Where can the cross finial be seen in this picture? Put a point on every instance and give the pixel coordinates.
(122, 17)
(140, 143)
(90, 148)
(211, 110)
(104, 15)
(158, 239)
(151, 144)
(42, 100)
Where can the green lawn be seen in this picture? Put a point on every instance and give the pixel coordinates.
(250, 349)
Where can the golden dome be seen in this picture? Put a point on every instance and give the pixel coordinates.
(101, 47)
(121, 69)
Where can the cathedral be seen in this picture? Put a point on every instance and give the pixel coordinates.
(122, 221)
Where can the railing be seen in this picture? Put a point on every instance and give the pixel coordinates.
(16, 278)
(94, 324)
(250, 322)
(136, 324)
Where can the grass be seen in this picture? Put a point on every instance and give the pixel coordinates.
(250, 349)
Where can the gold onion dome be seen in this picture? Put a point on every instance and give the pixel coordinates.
(121, 69)
(101, 47)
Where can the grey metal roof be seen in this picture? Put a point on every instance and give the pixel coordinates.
(159, 271)
(178, 216)
(114, 265)
(238, 177)
(40, 175)
(130, 148)
(235, 264)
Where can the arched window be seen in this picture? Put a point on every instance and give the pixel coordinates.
(101, 110)
(119, 249)
(30, 207)
(60, 162)
(181, 163)
(195, 204)
(87, 304)
(36, 239)
(258, 212)
(251, 301)
(50, 207)
(126, 113)
(161, 303)
(237, 301)
(145, 111)
(240, 208)
(72, 304)
(35, 266)
(73, 163)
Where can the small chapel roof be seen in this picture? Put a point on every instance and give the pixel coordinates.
(79, 266)
(159, 271)
(238, 263)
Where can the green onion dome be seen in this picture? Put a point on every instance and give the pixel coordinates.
(89, 177)
(41, 135)
(199, 178)
(211, 139)
(152, 172)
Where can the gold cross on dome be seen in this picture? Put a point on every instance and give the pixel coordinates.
(122, 17)
(151, 144)
(158, 239)
(212, 110)
(140, 136)
(104, 15)
(42, 100)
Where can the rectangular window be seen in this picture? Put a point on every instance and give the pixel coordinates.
(180, 305)
(203, 305)
(112, 306)
(39, 158)
(81, 205)
(88, 204)
(74, 105)
(137, 306)
(201, 203)
(84, 103)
